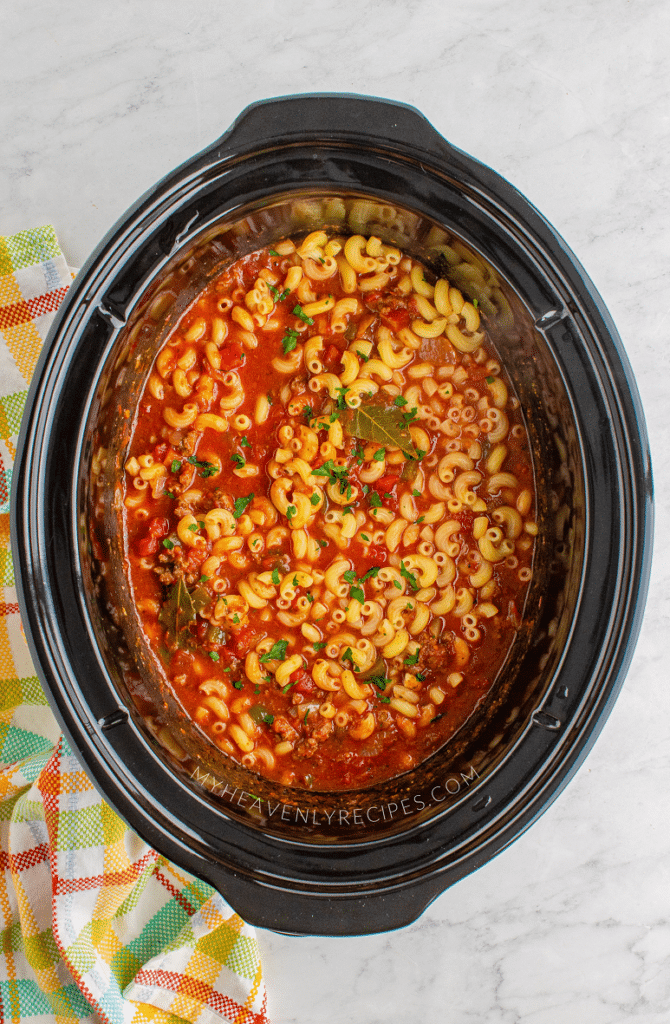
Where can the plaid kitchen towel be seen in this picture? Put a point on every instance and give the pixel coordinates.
(95, 925)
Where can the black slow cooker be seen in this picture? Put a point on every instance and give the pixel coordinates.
(365, 860)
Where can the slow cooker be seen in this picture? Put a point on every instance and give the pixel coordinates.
(364, 860)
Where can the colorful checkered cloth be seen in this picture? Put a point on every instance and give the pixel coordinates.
(96, 926)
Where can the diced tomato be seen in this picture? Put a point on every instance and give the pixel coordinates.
(386, 483)
(243, 640)
(150, 543)
(377, 555)
(226, 656)
(333, 355)
(231, 357)
(396, 319)
(303, 682)
(160, 451)
(385, 488)
(477, 372)
(181, 662)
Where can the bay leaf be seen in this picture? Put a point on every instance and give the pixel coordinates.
(200, 598)
(381, 425)
(177, 613)
(409, 471)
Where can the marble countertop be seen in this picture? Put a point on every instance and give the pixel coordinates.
(570, 102)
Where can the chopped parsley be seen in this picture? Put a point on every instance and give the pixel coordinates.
(315, 499)
(416, 494)
(335, 474)
(399, 401)
(239, 460)
(358, 594)
(238, 684)
(245, 442)
(167, 543)
(341, 401)
(307, 412)
(272, 252)
(206, 468)
(288, 686)
(276, 653)
(214, 655)
(348, 655)
(319, 646)
(175, 466)
(412, 659)
(289, 341)
(275, 577)
(378, 681)
(291, 511)
(375, 500)
(300, 313)
(379, 455)
(411, 579)
(241, 504)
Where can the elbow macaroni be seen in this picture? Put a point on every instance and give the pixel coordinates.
(328, 588)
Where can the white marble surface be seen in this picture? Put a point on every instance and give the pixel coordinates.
(571, 102)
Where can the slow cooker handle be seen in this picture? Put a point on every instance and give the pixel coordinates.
(331, 117)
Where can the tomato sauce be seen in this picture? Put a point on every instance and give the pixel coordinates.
(329, 512)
